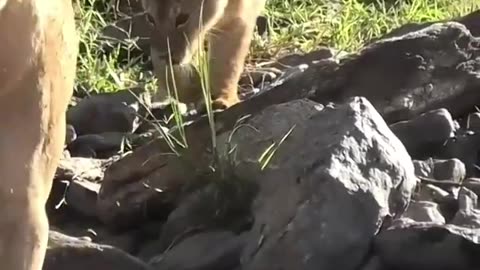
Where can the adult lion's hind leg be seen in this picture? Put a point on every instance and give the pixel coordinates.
(32, 130)
(23, 187)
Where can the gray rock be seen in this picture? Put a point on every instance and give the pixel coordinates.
(424, 211)
(321, 197)
(423, 167)
(431, 192)
(425, 133)
(87, 229)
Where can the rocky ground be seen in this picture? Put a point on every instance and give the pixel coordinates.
(372, 165)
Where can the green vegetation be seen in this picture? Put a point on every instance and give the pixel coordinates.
(295, 25)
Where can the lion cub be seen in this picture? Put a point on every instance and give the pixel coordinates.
(228, 26)
(38, 56)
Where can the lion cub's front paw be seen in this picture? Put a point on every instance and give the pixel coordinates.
(218, 104)
(223, 103)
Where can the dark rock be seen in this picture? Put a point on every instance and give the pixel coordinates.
(443, 55)
(450, 169)
(122, 206)
(71, 172)
(109, 112)
(424, 134)
(65, 252)
(468, 214)
(471, 22)
(473, 122)
(206, 251)
(405, 76)
(439, 61)
(340, 167)
(217, 206)
(373, 263)
(465, 147)
(102, 145)
(123, 181)
(445, 199)
(91, 230)
(426, 246)
(70, 135)
(82, 197)
(473, 184)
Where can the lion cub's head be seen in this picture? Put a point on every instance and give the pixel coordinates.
(177, 29)
(178, 22)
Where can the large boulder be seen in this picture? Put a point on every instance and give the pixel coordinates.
(336, 172)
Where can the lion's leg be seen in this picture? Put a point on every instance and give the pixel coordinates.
(32, 129)
(25, 153)
(229, 46)
(31, 143)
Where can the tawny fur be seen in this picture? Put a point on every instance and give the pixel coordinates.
(37, 68)
(227, 24)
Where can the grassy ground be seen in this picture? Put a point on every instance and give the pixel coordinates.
(295, 25)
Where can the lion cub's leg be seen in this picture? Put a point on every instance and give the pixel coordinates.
(229, 44)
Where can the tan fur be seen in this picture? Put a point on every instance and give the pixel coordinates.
(37, 69)
(227, 24)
